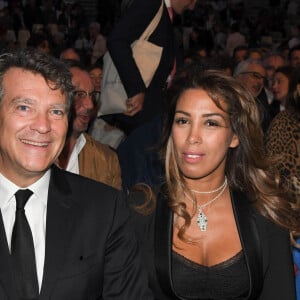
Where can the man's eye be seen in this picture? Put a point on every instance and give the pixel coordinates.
(80, 94)
(22, 108)
(58, 112)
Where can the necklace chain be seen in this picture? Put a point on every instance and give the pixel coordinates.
(202, 219)
(212, 191)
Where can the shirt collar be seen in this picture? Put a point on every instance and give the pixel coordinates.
(168, 3)
(8, 188)
(81, 141)
(73, 165)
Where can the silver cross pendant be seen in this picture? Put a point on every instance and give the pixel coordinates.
(202, 220)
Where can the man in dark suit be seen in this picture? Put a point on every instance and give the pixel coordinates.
(73, 241)
(143, 103)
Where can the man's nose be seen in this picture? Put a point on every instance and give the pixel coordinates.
(41, 123)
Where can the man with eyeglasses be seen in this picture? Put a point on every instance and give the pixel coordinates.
(82, 154)
(252, 74)
(272, 61)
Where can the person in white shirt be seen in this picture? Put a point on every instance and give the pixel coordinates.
(82, 154)
(97, 42)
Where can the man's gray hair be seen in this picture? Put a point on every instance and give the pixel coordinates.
(243, 66)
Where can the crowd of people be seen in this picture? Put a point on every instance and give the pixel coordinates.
(192, 193)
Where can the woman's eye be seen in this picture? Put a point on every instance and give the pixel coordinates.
(212, 123)
(181, 121)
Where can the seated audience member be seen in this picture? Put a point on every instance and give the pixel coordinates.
(284, 82)
(63, 236)
(252, 74)
(82, 44)
(99, 129)
(82, 154)
(239, 54)
(283, 144)
(40, 41)
(272, 61)
(95, 72)
(235, 38)
(294, 56)
(283, 141)
(219, 227)
(70, 53)
(255, 53)
(97, 42)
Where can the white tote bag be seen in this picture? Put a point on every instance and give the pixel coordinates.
(147, 57)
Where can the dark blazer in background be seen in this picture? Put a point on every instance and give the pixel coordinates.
(266, 248)
(125, 32)
(91, 250)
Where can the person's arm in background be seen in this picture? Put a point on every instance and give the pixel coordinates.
(126, 31)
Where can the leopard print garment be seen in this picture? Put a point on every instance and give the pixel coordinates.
(283, 141)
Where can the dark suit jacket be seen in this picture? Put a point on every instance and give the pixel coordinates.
(125, 32)
(91, 250)
(266, 248)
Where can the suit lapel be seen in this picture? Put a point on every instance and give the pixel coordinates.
(58, 229)
(6, 276)
(245, 219)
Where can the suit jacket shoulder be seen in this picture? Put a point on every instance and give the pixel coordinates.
(91, 250)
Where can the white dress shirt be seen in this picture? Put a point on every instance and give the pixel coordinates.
(35, 211)
(73, 163)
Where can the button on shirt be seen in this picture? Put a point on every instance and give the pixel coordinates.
(35, 210)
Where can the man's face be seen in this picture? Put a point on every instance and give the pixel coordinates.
(96, 76)
(33, 126)
(179, 6)
(240, 55)
(253, 78)
(70, 54)
(84, 104)
(295, 59)
(272, 63)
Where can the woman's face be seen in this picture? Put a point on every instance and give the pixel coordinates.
(201, 136)
(280, 86)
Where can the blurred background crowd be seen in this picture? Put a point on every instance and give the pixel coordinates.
(212, 29)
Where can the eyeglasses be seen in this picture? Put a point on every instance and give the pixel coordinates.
(80, 94)
(96, 77)
(254, 75)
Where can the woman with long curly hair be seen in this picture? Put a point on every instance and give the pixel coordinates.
(220, 226)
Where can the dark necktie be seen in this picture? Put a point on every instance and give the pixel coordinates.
(22, 250)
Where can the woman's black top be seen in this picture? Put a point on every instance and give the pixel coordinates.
(226, 280)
